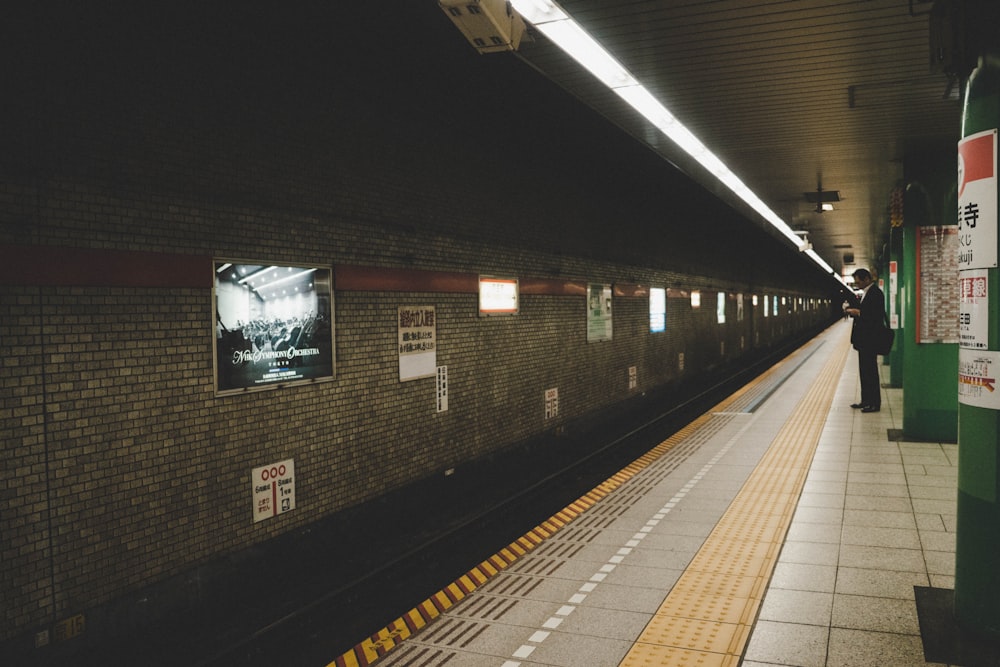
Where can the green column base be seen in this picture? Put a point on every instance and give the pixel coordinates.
(977, 540)
(936, 425)
(977, 566)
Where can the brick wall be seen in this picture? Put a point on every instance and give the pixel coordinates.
(125, 468)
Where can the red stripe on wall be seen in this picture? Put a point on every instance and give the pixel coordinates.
(552, 287)
(629, 290)
(45, 266)
(375, 279)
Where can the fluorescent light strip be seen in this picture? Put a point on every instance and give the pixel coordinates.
(819, 260)
(557, 25)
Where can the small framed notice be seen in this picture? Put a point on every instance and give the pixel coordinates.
(498, 296)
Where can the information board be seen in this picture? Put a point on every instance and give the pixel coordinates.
(937, 284)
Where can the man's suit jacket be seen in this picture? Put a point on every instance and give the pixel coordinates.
(864, 334)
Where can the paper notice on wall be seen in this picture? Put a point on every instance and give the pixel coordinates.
(417, 338)
(977, 378)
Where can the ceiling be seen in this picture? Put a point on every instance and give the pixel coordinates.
(791, 94)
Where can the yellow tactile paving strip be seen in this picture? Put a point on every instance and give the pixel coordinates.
(707, 617)
(723, 605)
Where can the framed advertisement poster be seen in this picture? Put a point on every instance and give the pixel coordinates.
(273, 325)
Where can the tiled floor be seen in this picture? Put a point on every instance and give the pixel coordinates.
(875, 519)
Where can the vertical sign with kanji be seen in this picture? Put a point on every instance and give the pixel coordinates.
(974, 315)
(551, 403)
(977, 252)
(893, 289)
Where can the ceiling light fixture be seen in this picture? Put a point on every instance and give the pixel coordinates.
(822, 198)
(553, 21)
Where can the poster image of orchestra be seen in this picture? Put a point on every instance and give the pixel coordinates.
(273, 325)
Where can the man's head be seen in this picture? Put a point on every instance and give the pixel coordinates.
(862, 278)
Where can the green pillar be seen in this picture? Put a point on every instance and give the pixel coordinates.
(977, 551)
(930, 369)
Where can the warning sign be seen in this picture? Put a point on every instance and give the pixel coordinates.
(273, 489)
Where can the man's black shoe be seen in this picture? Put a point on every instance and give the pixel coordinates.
(870, 408)
(858, 405)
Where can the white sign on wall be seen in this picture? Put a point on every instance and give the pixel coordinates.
(551, 399)
(977, 201)
(417, 334)
(974, 310)
(273, 489)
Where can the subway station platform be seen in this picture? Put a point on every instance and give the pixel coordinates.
(780, 528)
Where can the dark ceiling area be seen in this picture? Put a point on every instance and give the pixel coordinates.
(807, 101)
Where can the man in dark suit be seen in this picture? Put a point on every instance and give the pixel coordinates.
(868, 317)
